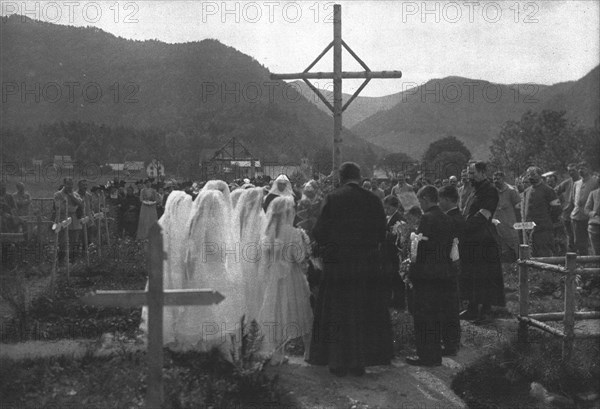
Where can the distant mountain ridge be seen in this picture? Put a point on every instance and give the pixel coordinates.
(360, 109)
(474, 111)
(66, 73)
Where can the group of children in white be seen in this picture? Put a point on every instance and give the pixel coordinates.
(256, 260)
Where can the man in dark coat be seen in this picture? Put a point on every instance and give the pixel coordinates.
(432, 278)
(129, 212)
(352, 327)
(448, 202)
(480, 262)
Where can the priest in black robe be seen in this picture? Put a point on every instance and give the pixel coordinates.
(352, 327)
(481, 270)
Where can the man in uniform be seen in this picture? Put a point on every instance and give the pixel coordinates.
(579, 218)
(506, 215)
(565, 194)
(542, 207)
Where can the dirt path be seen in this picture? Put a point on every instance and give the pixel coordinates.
(398, 385)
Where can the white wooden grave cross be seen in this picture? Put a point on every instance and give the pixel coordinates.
(84, 226)
(523, 226)
(101, 215)
(57, 227)
(155, 298)
(337, 76)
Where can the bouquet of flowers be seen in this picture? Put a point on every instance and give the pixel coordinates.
(404, 269)
(305, 242)
(397, 228)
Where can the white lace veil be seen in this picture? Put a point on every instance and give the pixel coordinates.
(235, 197)
(280, 215)
(211, 264)
(286, 295)
(249, 222)
(249, 217)
(173, 223)
(219, 185)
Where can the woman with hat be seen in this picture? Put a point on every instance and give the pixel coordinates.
(148, 213)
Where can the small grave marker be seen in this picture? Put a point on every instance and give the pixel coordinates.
(155, 298)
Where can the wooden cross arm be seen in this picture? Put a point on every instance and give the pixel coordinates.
(137, 298)
(61, 225)
(524, 225)
(345, 74)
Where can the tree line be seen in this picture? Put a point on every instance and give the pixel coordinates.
(547, 139)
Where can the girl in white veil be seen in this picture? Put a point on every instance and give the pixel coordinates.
(235, 197)
(173, 223)
(209, 265)
(285, 313)
(249, 221)
(221, 186)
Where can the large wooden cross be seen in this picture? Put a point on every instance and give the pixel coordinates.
(337, 76)
(155, 298)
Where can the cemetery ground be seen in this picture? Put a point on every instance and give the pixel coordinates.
(57, 351)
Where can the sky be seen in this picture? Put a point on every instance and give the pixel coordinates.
(507, 42)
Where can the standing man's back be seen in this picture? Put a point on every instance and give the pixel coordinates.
(506, 214)
(352, 326)
(565, 195)
(579, 219)
(353, 219)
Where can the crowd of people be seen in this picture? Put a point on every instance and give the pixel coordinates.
(331, 261)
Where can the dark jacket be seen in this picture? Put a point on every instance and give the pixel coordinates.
(352, 224)
(459, 223)
(480, 259)
(433, 255)
(485, 197)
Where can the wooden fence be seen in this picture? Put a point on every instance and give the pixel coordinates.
(568, 317)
